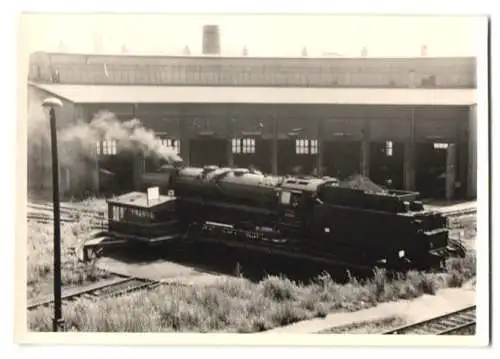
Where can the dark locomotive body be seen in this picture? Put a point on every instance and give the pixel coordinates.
(311, 217)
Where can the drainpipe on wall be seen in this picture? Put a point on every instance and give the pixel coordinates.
(274, 150)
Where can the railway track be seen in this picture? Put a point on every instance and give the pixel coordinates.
(47, 218)
(460, 212)
(43, 214)
(65, 208)
(65, 211)
(448, 324)
(465, 212)
(113, 288)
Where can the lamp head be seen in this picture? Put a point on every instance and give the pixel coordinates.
(52, 102)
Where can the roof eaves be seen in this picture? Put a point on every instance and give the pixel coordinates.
(50, 91)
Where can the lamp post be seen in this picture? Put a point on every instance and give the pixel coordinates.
(58, 322)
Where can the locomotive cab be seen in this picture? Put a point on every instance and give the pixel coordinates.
(136, 217)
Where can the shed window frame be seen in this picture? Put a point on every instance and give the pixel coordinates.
(107, 147)
(440, 145)
(171, 143)
(244, 145)
(389, 148)
(304, 146)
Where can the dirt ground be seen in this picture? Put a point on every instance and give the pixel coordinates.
(162, 271)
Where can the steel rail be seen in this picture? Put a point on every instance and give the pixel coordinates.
(65, 208)
(114, 288)
(445, 324)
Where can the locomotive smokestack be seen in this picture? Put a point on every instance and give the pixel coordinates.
(211, 40)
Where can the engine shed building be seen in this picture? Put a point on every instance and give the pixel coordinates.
(406, 122)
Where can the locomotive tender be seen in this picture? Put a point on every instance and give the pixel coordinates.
(319, 219)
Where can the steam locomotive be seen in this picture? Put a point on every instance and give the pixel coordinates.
(319, 219)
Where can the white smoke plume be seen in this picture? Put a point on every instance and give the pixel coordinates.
(129, 136)
(77, 144)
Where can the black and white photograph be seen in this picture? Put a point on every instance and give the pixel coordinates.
(259, 174)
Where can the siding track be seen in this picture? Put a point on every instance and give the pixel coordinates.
(113, 288)
(448, 324)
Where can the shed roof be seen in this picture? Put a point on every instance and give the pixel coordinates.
(145, 59)
(259, 95)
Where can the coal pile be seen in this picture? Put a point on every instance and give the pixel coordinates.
(360, 182)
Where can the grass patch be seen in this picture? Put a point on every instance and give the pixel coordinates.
(240, 306)
(40, 256)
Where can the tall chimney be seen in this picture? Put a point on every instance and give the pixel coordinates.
(211, 40)
(61, 47)
(97, 39)
(423, 50)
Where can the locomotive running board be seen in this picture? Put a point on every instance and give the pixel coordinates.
(230, 206)
(280, 252)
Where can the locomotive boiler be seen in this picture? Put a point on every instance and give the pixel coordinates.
(308, 217)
